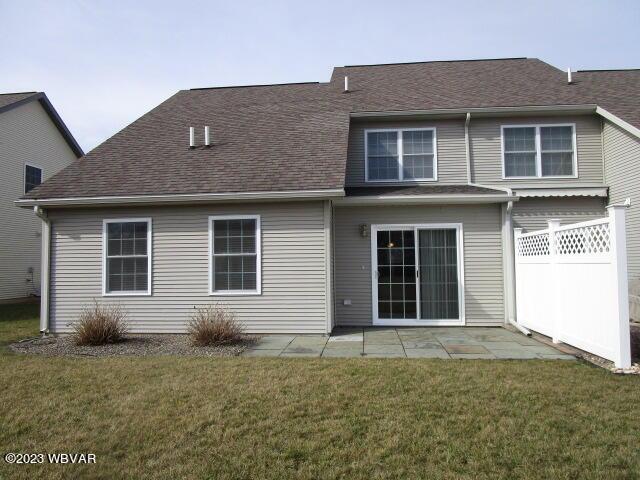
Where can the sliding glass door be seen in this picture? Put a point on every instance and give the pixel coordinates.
(417, 274)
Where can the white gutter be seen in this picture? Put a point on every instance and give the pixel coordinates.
(585, 108)
(44, 269)
(183, 198)
(618, 121)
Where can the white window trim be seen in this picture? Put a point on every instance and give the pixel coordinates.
(24, 175)
(135, 293)
(401, 155)
(258, 289)
(538, 174)
(376, 321)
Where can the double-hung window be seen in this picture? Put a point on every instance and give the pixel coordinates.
(400, 155)
(235, 255)
(127, 256)
(32, 177)
(534, 151)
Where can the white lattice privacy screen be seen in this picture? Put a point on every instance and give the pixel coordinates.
(571, 284)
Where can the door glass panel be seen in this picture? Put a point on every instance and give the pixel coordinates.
(438, 254)
(396, 274)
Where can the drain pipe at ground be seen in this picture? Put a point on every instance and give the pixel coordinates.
(44, 270)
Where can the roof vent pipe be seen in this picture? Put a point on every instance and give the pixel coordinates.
(569, 75)
(207, 142)
(346, 84)
(192, 137)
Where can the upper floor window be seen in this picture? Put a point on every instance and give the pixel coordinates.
(127, 262)
(400, 155)
(32, 177)
(539, 151)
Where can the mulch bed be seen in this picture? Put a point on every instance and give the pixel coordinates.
(133, 345)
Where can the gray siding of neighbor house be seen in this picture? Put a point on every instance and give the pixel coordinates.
(534, 213)
(294, 283)
(27, 135)
(486, 150)
(484, 296)
(452, 166)
(622, 172)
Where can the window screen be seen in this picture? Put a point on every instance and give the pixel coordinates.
(382, 155)
(520, 152)
(127, 257)
(235, 255)
(417, 154)
(32, 178)
(557, 150)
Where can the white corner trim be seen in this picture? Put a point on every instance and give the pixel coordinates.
(184, 198)
(225, 293)
(618, 121)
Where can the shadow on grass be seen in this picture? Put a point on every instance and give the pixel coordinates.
(18, 321)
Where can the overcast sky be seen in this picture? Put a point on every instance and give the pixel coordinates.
(105, 63)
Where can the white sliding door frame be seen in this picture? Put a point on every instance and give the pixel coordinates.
(405, 322)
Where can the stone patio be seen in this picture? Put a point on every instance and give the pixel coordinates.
(423, 342)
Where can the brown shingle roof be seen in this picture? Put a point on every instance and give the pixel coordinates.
(7, 99)
(294, 137)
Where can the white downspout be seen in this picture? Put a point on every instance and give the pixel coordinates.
(44, 269)
(507, 235)
(467, 146)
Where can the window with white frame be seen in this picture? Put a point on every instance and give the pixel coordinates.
(235, 254)
(127, 262)
(539, 151)
(32, 177)
(400, 155)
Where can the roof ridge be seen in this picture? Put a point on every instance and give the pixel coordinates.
(438, 61)
(258, 85)
(16, 93)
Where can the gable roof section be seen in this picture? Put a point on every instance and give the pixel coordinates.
(9, 101)
(264, 139)
(294, 137)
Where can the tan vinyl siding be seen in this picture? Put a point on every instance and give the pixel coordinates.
(294, 284)
(622, 172)
(27, 135)
(483, 272)
(486, 150)
(534, 213)
(452, 167)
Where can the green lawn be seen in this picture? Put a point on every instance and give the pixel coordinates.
(314, 419)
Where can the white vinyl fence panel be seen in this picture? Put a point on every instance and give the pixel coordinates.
(571, 284)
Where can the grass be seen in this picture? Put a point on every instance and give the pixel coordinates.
(246, 418)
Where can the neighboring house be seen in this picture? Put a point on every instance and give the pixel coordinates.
(390, 203)
(34, 145)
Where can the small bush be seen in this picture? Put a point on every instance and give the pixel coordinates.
(100, 324)
(215, 325)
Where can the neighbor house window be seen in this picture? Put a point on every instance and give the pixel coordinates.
(32, 177)
(539, 151)
(127, 262)
(235, 255)
(400, 155)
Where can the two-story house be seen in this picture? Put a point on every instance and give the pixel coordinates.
(387, 196)
(34, 145)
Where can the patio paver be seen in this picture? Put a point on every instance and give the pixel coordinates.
(410, 342)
